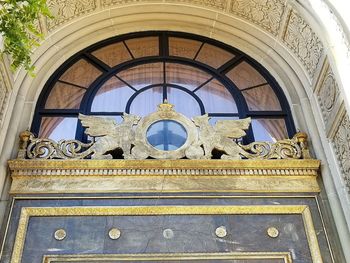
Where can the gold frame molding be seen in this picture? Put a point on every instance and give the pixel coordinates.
(285, 256)
(106, 176)
(28, 212)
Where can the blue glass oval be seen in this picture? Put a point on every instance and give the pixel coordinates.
(166, 135)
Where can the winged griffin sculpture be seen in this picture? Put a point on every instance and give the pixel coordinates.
(221, 136)
(112, 135)
(200, 142)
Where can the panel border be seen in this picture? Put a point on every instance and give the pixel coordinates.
(28, 212)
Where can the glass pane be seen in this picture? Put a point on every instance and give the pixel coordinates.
(214, 56)
(270, 130)
(216, 98)
(184, 103)
(112, 96)
(143, 47)
(81, 73)
(166, 135)
(262, 99)
(64, 96)
(58, 128)
(185, 76)
(143, 75)
(245, 76)
(147, 101)
(182, 47)
(113, 55)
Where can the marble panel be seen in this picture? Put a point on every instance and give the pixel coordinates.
(146, 233)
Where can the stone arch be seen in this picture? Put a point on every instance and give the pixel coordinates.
(279, 37)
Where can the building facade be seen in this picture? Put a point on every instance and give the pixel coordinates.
(303, 45)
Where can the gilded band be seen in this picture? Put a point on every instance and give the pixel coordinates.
(285, 256)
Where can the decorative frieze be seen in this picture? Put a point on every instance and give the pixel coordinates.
(303, 41)
(266, 14)
(92, 176)
(65, 10)
(341, 142)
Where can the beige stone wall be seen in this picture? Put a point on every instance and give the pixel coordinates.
(284, 36)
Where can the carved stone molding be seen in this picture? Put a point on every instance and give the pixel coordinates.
(106, 3)
(267, 14)
(303, 41)
(328, 95)
(5, 89)
(218, 4)
(341, 143)
(65, 10)
(88, 176)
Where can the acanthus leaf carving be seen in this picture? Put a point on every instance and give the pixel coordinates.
(342, 146)
(265, 13)
(328, 94)
(303, 41)
(65, 10)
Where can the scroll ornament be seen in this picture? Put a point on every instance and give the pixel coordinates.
(130, 137)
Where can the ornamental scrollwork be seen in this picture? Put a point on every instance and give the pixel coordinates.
(37, 148)
(328, 94)
(303, 41)
(130, 137)
(267, 14)
(342, 146)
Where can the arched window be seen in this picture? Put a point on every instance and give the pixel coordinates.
(136, 72)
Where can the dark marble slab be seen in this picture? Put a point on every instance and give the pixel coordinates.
(144, 234)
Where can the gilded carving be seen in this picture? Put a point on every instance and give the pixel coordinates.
(60, 234)
(265, 13)
(171, 257)
(65, 10)
(304, 42)
(49, 149)
(114, 233)
(196, 143)
(342, 145)
(221, 231)
(221, 136)
(112, 135)
(272, 232)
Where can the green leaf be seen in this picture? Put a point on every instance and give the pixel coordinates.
(18, 21)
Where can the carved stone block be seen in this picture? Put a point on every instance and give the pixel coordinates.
(64, 11)
(341, 142)
(266, 14)
(303, 41)
(329, 99)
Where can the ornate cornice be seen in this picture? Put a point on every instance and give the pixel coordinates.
(93, 176)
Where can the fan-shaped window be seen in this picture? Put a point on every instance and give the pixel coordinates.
(134, 73)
